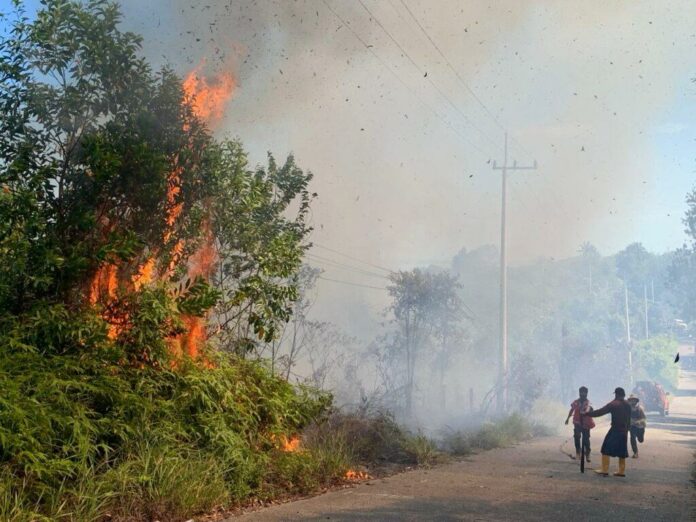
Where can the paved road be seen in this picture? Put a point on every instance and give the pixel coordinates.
(533, 481)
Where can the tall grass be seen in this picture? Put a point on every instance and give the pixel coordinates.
(84, 439)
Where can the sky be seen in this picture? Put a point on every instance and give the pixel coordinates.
(399, 108)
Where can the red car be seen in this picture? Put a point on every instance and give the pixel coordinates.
(652, 396)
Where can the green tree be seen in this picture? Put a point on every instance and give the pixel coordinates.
(261, 230)
(426, 308)
(103, 166)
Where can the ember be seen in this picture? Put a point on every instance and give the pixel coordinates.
(356, 475)
(292, 444)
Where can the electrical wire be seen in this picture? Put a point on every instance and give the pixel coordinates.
(388, 270)
(349, 283)
(430, 80)
(406, 86)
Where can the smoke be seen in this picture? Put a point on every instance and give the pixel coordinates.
(599, 93)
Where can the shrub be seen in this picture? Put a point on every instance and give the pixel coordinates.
(88, 436)
(654, 361)
(492, 434)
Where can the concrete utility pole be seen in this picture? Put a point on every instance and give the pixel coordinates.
(628, 336)
(645, 306)
(503, 362)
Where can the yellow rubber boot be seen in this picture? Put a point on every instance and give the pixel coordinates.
(604, 470)
(622, 468)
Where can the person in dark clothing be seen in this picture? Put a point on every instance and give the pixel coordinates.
(638, 422)
(582, 424)
(616, 441)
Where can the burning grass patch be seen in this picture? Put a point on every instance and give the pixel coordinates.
(84, 439)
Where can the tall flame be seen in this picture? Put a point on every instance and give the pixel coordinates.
(209, 96)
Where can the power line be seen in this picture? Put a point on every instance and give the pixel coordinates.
(456, 73)
(430, 80)
(388, 270)
(414, 93)
(349, 283)
(342, 266)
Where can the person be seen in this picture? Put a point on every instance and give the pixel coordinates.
(582, 424)
(616, 441)
(638, 422)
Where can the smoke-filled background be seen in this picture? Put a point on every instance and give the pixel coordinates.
(399, 109)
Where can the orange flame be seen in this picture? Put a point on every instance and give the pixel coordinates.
(145, 274)
(105, 281)
(356, 475)
(291, 445)
(209, 95)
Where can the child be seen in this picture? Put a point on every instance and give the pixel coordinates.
(582, 423)
(638, 422)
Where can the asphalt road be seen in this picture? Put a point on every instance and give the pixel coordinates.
(532, 481)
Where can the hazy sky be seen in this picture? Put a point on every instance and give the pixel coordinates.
(600, 93)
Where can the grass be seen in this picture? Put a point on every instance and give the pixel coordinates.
(82, 439)
(493, 434)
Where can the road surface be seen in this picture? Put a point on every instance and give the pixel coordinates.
(532, 481)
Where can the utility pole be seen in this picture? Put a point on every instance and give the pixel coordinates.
(503, 361)
(652, 291)
(645, 307)
(628, 336)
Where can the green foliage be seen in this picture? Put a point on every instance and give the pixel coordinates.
(421, 449)
(492, 434)
(155, 442)
(653, 359)
(260, 227)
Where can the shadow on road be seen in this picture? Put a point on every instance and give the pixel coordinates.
(447, 509)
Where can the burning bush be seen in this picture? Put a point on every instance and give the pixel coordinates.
(134, 245)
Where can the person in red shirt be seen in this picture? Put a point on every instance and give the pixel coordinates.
(582, 423)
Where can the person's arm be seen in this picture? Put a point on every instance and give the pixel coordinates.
(601, 411)
(570, 412)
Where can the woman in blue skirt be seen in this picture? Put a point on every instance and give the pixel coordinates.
(616, 442)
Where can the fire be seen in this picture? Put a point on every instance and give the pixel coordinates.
(209, 95)
(145, 274)
(104, 283)
(351, 474)
(291, 445)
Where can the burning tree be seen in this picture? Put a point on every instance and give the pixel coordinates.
(127, 232)
(116, 198)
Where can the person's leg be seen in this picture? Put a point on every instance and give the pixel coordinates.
(622, 468)
(576, 439)
(586, 437)
(604, 470)
(634, 444)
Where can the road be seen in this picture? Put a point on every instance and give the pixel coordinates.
(532, 481)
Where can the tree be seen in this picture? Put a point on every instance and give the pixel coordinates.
(104, 170)
(260, 230)
(425, 306)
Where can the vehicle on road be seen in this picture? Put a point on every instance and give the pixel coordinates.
(652, 396)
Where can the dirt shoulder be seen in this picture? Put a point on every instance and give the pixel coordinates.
(532, 481)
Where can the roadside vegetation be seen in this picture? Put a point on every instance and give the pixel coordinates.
(148, 271)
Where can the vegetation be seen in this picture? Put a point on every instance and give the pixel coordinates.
(115, 205)
(654, 360)
(493, 434)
